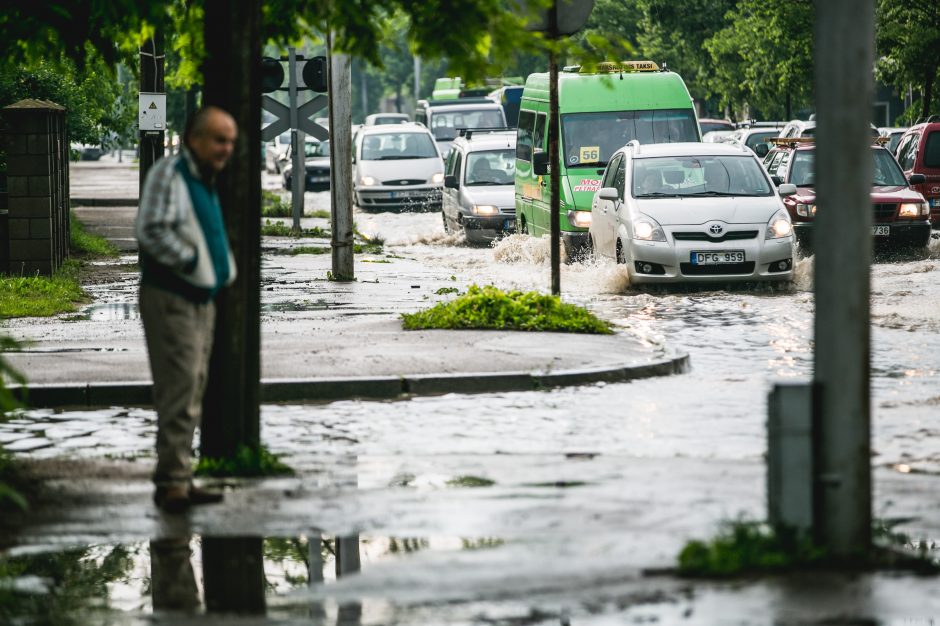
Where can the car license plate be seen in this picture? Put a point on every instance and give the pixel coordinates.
(880, 231)
(319, 179)
(406, 194)
(509, 224)
(717, 258)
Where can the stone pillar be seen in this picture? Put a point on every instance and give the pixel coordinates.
(37, 148)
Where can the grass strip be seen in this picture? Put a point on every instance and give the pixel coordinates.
(279, 229)
(83, 243)
(247, 462)
(41, 296)
(493, 309)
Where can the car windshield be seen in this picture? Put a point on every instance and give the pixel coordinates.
(885, 170)
(591, 138)
(755, 139)
(392, 146)
(444, 124)
(666, 177)
(316, 149)
(490, 167)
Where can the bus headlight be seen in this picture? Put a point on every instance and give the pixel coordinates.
(580, 219)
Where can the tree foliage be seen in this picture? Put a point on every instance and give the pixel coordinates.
(907, 37)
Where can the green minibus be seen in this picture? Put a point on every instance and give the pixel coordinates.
(601, 109)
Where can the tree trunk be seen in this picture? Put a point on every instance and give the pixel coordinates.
(231, 411)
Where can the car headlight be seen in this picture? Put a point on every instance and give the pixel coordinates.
(648, 230)
(580, 219)
(914, 209)
(485, 209)
(366, 181)
(779, 225)
(437, 179)
(806, 210)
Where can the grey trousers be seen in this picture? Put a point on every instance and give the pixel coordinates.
(179, 342)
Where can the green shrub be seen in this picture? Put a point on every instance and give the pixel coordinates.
(41, 296)
(247, 462)
(746, 547)
(280, 229)
(272, 205)
(490, 308)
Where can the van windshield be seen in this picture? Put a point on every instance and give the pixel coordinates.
(591, 138)
(490, 167)
(444, 124)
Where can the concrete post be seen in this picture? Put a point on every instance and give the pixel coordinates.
(844, 36)
(36, 144)
(341, 211)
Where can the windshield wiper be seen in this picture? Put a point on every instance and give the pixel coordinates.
(486, 182)
(399, 157)
(657, 194)
(591, 164)
(722, 194)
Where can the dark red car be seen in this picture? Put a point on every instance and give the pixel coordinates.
(918, 152)
(901, 215)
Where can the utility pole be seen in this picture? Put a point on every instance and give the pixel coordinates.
(232, 74)
(417, 71)
(340, 112)
(151, 81)
(844, 87)
(553, 173)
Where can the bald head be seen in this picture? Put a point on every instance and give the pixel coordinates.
(210, 135)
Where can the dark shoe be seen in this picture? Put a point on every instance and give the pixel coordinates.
(198, 495)
(174, 499)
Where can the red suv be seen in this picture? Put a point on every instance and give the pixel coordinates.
(918, 153)
(901, 216)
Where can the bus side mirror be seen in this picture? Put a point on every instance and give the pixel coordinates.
(917, 179)
(540, 163)
(450, 181)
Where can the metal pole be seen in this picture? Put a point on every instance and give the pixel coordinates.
(844, 87)
(299, 167)
(417, 77)
(553, 126)
(341, 212)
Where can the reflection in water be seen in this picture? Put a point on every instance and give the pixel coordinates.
(111, 312)
(173, 583)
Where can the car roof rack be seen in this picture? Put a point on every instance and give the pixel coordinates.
(790, 141)
(470, 132)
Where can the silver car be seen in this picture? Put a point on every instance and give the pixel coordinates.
(397, 167)
(692, 212)
(479, 190)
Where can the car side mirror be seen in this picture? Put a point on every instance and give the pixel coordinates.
(787, 189)
(540, 163)
(776, 180)
(608, 193)
(761, 150)
(450, 181)
(917, 179)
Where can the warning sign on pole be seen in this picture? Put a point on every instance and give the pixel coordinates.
(152, 111)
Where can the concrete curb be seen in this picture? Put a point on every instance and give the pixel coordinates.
(103, 202)
(320, 389)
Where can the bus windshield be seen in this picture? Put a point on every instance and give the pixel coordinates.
(591, 138)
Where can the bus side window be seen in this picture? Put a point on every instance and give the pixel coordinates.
(541, 131)
(524, 136)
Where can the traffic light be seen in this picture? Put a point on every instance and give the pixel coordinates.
(272, 75)
(314, 74)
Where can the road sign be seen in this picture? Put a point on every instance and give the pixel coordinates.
(151, 111)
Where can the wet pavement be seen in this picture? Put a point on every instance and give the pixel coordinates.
(549, 507)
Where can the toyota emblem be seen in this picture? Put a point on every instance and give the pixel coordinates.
(715, 229)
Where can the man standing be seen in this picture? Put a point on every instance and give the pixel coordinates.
(185, 259)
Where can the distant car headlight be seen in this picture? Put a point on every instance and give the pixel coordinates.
(366, 181)
(485, 209)
(779, 225)
(914, 209)
(648, 230)
(437, 179)
(581, 219)
(806, 210)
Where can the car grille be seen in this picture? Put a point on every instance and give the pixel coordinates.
(405, 181)
(885, 212)
(318, 171)
(727, 269)
(508, 210)
(732, 235)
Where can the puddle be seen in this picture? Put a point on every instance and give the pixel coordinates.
(272, 576)
(111, 312)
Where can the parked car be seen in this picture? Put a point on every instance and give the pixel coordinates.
(918, 152)
(754, 137)
(85, 152)
(807, 128)
(692, 212)
(317, 163)
(386, 118)
(274, 152)
(445, 117)
(479, 194)
(707, 125)
(397, 167)
(900, 213)
(714, 136)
